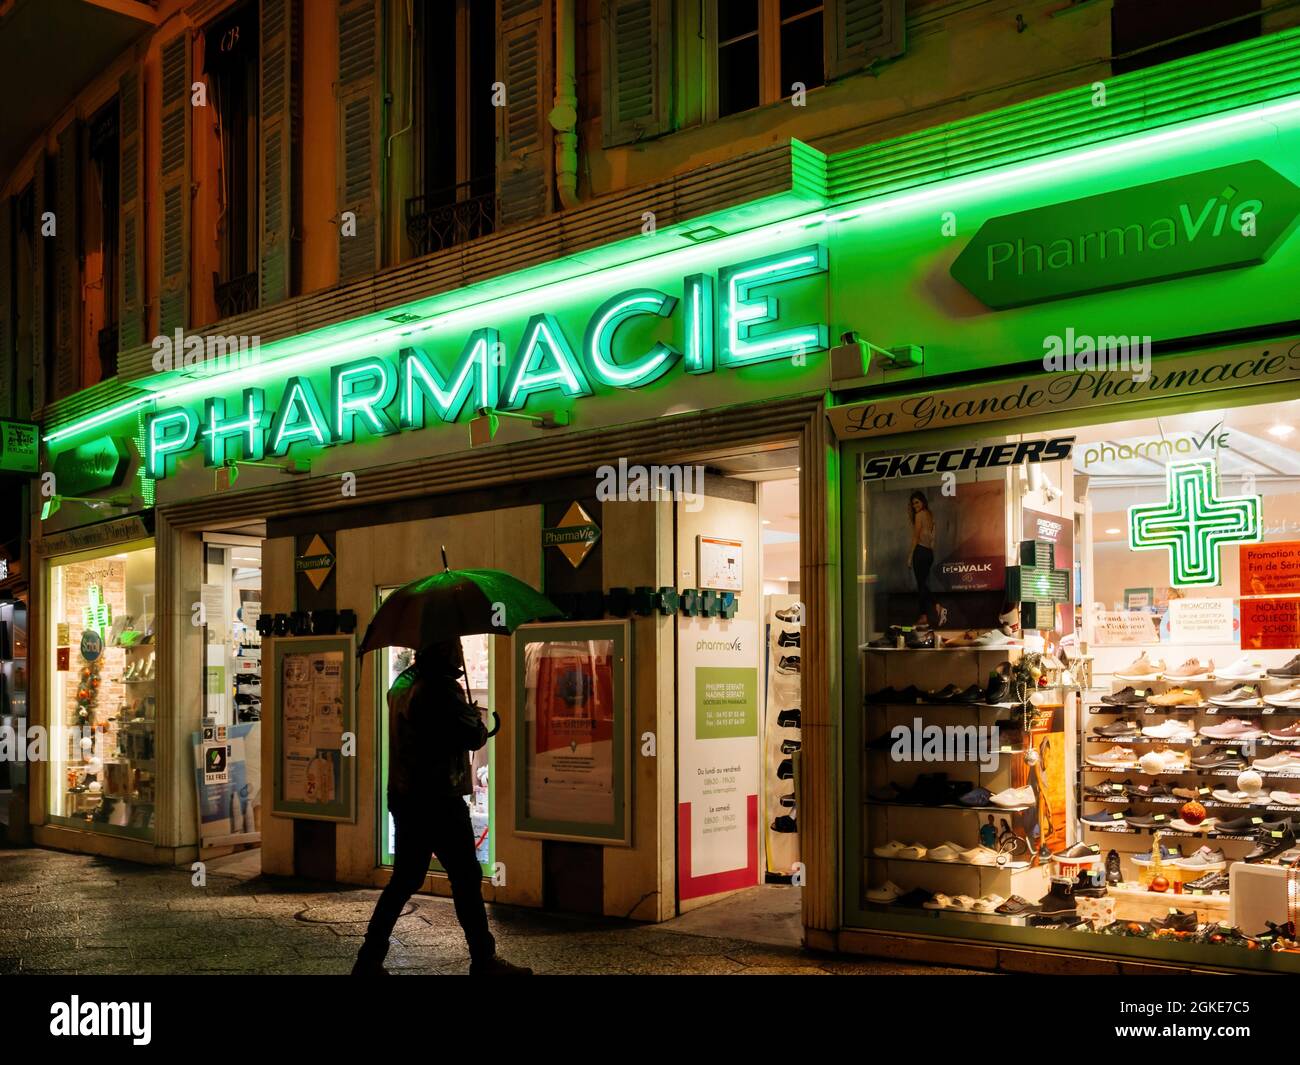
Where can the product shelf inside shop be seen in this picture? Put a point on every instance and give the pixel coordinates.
(1197, 741)
(1008, 867)
(1164, 830)
(1210, 804)
(944, 806)
(1133, 768)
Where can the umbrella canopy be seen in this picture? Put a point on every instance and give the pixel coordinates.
(454, 603)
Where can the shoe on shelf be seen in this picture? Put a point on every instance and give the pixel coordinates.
(1231, 798)
(788, 638)
(1114, 874)
(1014, 798)
(1126, 696)
(1206, 859)
(1287, 761)
(1192, 669)
(1219, 758)
(1154, 790)
(1107, 791)
(941, 695)
(1015, 906)
(1248, 824)
(1285, 798)
(1244, 695)
(1059, 899)
(1009, 621)
(946, 852)
(1167, 854)
(1177, 698)
(1178, 824)
(980, 856)
(892, 849)
(987, 904)
(788, 665)
(999, 685)
(1106, 819)
(1270, 842)
(1175, 921)
(1171, 730)
(787, 801)
(970, 696)
(1289, 671)
(1142, 668)
(1116, 729)
(917, 640)
(913, 852)
(1245, 668)
(790, 746)
(1286, 699)
(1116, 758)
(1078, 851)
(976, 797)
(1148, 821)
(784, 823)
(994, 638)
(1210, 882)
(1233, 729)
(885, 894)
(791, 616)
(789, 718)
(785, 771)
(939, 901)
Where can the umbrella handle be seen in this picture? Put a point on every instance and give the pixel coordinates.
(496, 724)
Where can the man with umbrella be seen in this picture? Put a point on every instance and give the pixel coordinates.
(433, 725)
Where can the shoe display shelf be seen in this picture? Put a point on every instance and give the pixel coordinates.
(1130, 839)
(1136, 903)
(939, 822)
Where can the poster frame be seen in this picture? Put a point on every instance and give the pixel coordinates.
(618, 831)
(344, 808)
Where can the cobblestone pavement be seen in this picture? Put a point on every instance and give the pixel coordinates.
(75, 914)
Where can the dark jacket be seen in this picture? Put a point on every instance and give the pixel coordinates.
(431, 729)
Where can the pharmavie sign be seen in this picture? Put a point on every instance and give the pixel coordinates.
(1219, 219)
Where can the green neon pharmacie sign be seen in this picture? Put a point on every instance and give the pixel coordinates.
(729, 321)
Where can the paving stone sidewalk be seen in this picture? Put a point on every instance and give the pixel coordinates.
(75, 914)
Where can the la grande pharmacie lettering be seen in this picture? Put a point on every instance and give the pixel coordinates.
(728, 321)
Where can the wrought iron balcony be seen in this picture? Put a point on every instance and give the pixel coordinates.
(236, 296)
(451, 216)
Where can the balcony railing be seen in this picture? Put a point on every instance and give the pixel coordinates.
(236, 296)
(450, 216)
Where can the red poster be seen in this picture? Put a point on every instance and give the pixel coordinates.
(1270, 624)
(575, 699)
(1270, 569)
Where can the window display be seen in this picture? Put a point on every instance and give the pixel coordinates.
(102, 691)
(1079, 687)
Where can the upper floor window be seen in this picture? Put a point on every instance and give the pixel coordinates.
(1144, 34)
(453, 55)
(100, 234)
(767, 50)
(231, 64)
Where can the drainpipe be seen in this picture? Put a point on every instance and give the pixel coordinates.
(564, 116)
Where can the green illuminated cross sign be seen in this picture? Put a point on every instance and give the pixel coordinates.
(1037, 585)
(1194, 522)
(99, 614)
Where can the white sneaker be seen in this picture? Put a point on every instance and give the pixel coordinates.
(987, 904)
(993, 638)
(980, 856)
(913, 852)
(1285, 798)
(1287, 697)
(1245, 668)
(892, 849)
(1179, 825)
(1014, 797)
(945, 852)
(1142, 669)
(1169, 730)
(1232, 798)
(886, 893)
(1283, 762)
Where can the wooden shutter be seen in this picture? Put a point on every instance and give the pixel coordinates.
(8, 384)
(130, 199)
(67, 264)
(279, 130)
(40, 394)
(637, 68)
(859, 32)
(525, 174)
(359, 134)
(174, 260)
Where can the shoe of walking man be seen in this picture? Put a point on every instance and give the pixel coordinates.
(431, 732)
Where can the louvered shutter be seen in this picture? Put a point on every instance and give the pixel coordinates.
(637, 69)
(525, 176)
(174, 281)
(8, 399)
(130, 288)
(67, 264)
(858, 32)
(280, 22)
(40, 244)
(359, 135)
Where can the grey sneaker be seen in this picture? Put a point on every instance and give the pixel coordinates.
(1207, 859)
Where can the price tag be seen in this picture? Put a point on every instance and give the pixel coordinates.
(1211, 709)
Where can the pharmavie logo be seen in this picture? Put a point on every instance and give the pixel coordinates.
(1218, 219)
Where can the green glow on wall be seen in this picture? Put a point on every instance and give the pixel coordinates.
(742, 311)
(161, 440)
(299, 418)
(1194, 522)
(248, 428)
(599, 342)
(422, 383)
(350, 400)
(543, 341)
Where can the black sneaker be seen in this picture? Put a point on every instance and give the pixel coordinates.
(784, 823)
(1125, 697)
(1106, 792)
(1269, 843)
(1059, 901)
(794, 615)
(1117, 728)
(1147, 791)
(1080, 850)
(788, 638)
(785, 771)
(787, 801)
(789, 718)
(1215, 881)
(1149, 821)
(1114, 874)
(788, 664)
(946, 694)
(919, 641)
(1249, 824)
(1288, 671)
(790, 746)
(1219, 758)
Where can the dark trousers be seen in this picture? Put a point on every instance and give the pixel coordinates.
(922, 560)
(438, 828)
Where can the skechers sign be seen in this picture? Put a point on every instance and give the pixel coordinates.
(1217, 219)
(725, 322)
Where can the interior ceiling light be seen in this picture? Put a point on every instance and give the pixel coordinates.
(1281, 431)
(1112, 532)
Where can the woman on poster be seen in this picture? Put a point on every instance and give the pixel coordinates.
(921, 559)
